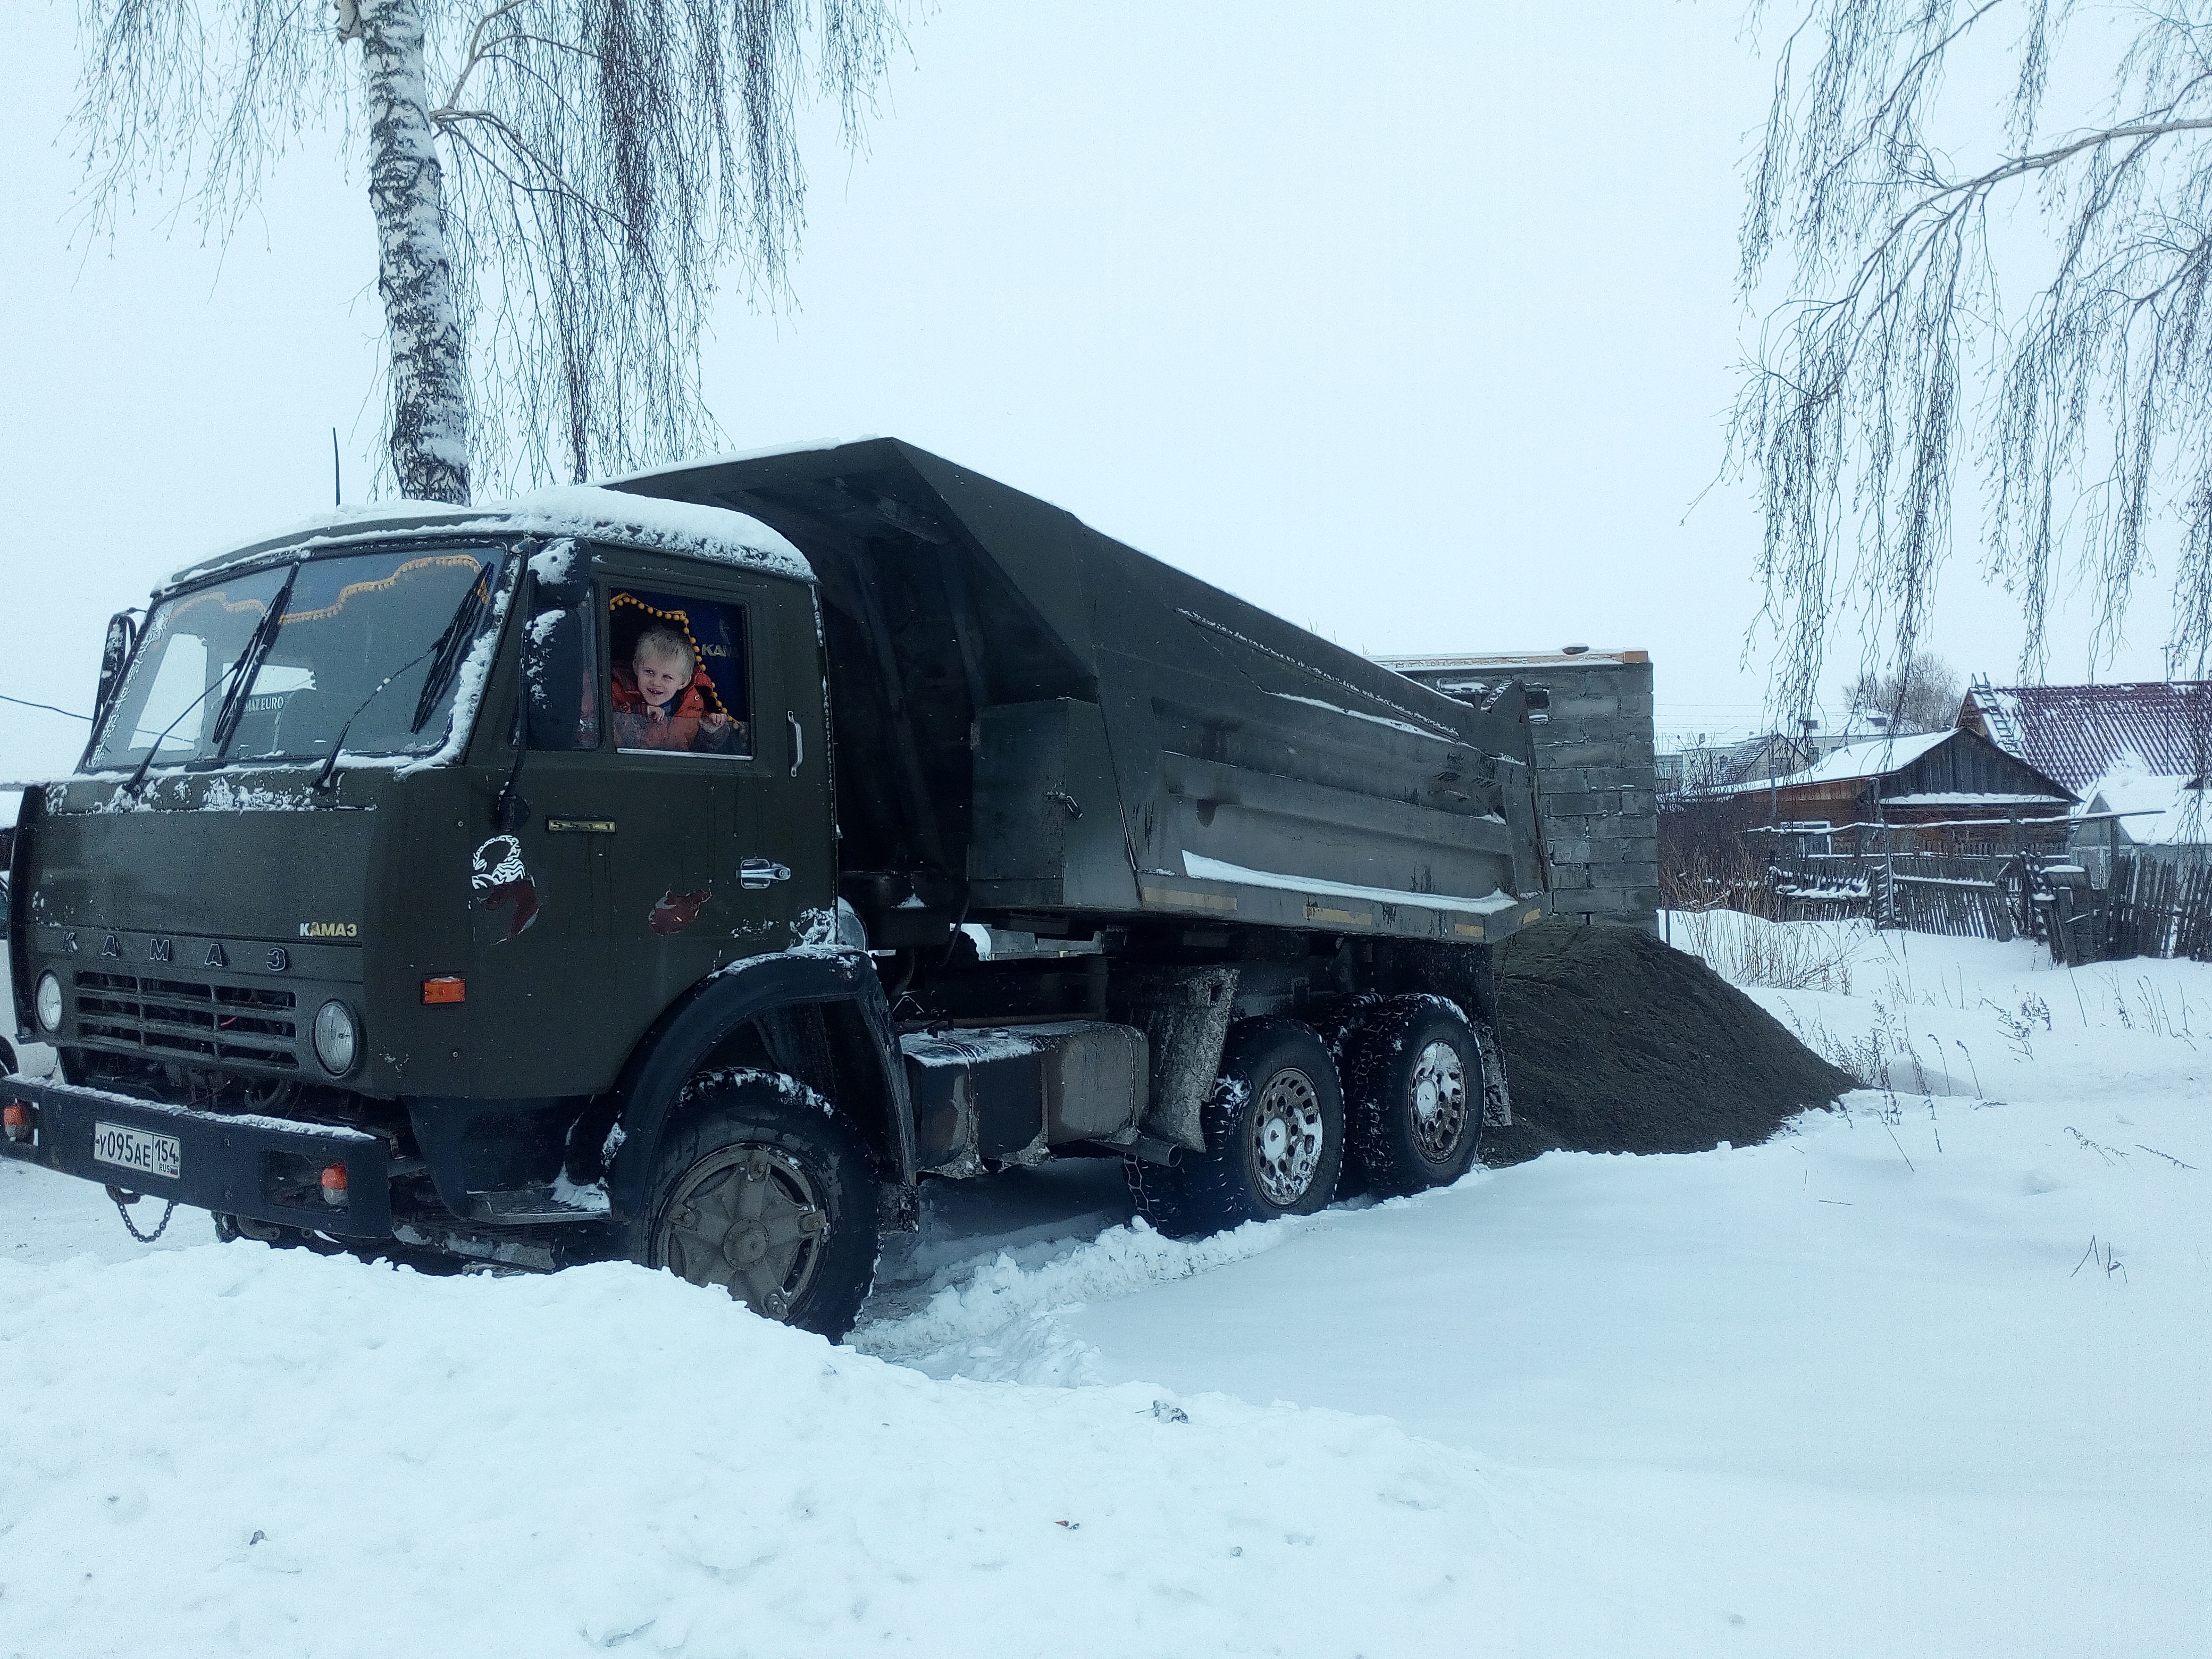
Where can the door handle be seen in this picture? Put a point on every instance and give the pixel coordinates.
(797, 742)
(758, 874)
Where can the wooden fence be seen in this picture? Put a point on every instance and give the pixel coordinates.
(2147, 907)
(2157, 909)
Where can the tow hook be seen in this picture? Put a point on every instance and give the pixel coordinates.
(123, 1198)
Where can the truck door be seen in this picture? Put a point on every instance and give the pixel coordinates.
(777, 814)
(723, 776)
(542, 875)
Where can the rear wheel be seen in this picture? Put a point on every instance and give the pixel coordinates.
(1274, 1138)
(1413, 1095)
(764, 1192)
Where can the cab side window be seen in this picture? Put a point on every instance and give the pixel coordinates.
(679, 675)
(560, 664)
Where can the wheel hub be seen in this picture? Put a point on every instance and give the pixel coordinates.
(749, 1219)
(1287, 1131)
(1439, 1101)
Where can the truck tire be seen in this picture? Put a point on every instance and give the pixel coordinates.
(762, 1189)
(1413, 1095)
(1274, 1138)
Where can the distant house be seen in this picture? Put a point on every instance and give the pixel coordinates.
(2077, 734)
(1951, 791)
(2160, 816)
(1705, 767)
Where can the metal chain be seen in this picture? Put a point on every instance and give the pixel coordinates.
(124, 1210)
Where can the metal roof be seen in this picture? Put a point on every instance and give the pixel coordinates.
(2077, 733)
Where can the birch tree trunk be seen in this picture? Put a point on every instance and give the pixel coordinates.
(548, 248)
(414, 271)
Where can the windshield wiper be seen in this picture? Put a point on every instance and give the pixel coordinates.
(465, 615)
(451, 645)
(249, 665)
(264, 631)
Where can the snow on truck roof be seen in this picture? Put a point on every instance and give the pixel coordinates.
(709, 532)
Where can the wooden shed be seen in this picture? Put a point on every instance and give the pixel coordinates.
(1952, 793)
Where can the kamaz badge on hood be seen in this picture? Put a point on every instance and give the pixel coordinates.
(330, 930)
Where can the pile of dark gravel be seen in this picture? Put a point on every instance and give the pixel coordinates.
(1615, 1043)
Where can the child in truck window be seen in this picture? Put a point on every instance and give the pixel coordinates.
(660, 700)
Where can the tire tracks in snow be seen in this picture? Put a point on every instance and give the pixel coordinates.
(996, 1316)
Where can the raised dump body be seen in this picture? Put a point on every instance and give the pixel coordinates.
(1030, 716)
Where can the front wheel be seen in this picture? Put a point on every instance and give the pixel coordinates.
(1274, 1138)
(763, 1191)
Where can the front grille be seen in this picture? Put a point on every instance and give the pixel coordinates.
(188, 1020)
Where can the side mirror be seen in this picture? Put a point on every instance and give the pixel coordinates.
(114, 657)
(561, 576)
(558, 695)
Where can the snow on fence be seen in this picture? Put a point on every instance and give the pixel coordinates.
(2148, 908)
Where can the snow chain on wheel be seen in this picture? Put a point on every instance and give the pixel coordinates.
(1274, 1138)
(1416, 1078)
(764, 1191)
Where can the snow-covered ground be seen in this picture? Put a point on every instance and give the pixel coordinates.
(1928, 1375)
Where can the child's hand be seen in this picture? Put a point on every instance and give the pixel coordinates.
(715, 723)
(655, 713)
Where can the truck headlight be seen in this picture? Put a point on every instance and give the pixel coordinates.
(337, 1037)
(47, 1002)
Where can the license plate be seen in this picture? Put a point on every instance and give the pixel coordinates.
(135, 1150)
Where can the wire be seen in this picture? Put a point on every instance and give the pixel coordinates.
(22, 703)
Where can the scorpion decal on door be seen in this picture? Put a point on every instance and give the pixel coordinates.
(504, 879)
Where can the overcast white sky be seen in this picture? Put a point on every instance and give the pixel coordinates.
(1412, 322)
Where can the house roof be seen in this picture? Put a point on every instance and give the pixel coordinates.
(1876, 758)
(2180, 813)
(2078, 733)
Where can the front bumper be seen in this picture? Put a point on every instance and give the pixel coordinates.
(234, 1164)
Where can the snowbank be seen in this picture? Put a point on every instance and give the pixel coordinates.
(228, 1450)
(1923, 1376)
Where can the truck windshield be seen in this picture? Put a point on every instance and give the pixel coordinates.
(380, 638)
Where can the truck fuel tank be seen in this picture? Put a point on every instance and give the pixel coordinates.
(1008, 1094)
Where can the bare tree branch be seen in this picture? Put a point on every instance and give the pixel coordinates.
(636, 150)
(2090, 412)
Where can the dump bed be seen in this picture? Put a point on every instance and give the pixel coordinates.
(1032, 717)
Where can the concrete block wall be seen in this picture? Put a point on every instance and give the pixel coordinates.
(1597, 779)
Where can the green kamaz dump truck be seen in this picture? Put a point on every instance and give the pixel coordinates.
(687, 870)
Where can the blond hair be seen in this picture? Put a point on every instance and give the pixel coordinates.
(666, 645)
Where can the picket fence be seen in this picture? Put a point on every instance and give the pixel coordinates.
(2147, 908)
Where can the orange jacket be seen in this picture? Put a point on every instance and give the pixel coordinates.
(634, 726)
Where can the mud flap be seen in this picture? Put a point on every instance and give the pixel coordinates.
(1184, 1014)
(1497, 1099)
